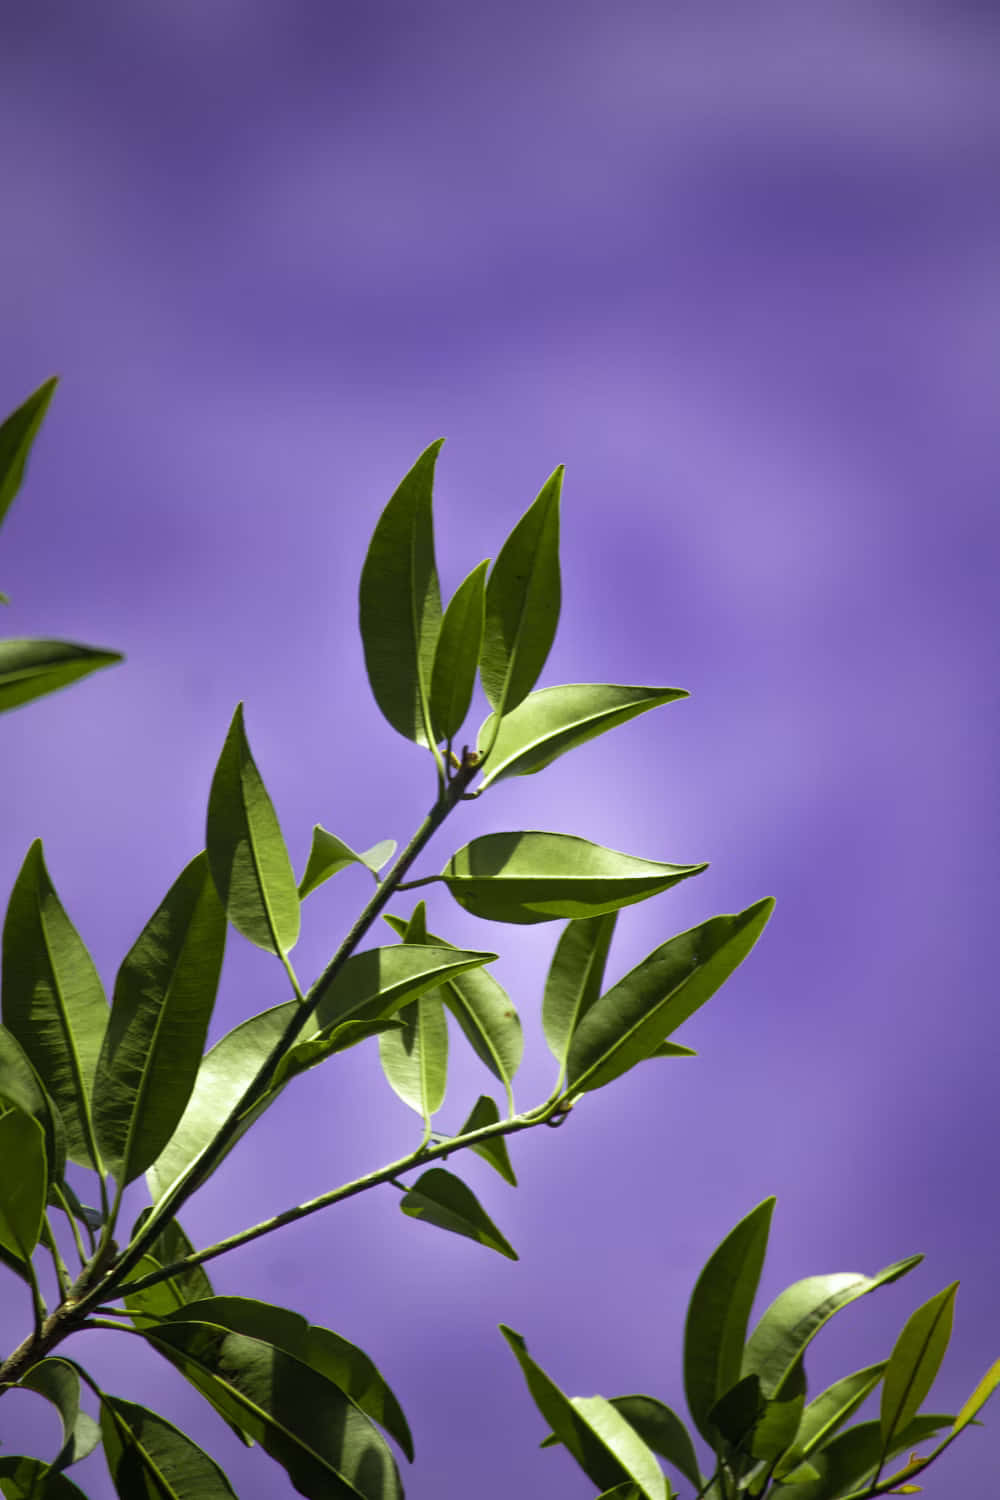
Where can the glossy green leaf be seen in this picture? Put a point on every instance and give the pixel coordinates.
(984, 1390)
(20, 1085)
(915, 1361)
(150, 1459)
(574, 979)
(633, 1018)
(438, 1197)
(661, 1430)
(484, 1112)
(329, 855)
(604, 1444)
(798, 1313)
(851, 1458)
(162, 1005)
(415, 1056)
(17, 434)
(31, 1479)
(326, 1444)
(246, 851)
(53, 1001)
(719, 1311)
(58, 1381)
(456, 658)
(827, 1414)
(305, 1056)
(556, 719)
(484, 1011)
(536, 877)
(400, 603)
(31, 668)
(522, 602)
(23, 1182)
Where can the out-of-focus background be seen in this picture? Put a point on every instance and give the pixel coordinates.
(736, 266)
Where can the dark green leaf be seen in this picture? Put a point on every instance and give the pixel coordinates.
(191, 1285)
(522, 602)
(58, 1382)
(736, 1413)
(672, 1049)
(401, 603)
(604, 1444)
(53, 1001)
(484, 1112)
(915, 1361)
(632, 1019)
(556, 719)
(358, 1377)
(798, 1313)
(719, 1311)
(852, 1457)
(30, 669)
(162, 1005)
(778, 1423)
(31, 1479)
(827, 1414)
(440, 1198)
(17, 433)
(21, 1085)
(150, 1459)
(574, 979)
(246, 851)
(536, 877)
(23, 1182)
(457, 656)
(329, 854)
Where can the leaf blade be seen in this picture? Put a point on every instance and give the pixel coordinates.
(17, 434)
(442, 1199)
(23, 1182)
(456, 657)
(57, 1380)
(328, 855)
(150, 1457)
(31, 668)
(522, 602)
(915, 1361)
(574, 979)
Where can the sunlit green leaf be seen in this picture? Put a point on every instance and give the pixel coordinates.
(827, 1414)
(984, 1390)
(374, 984)
(574, 979)
(522, 602)
(23, 1182)
(21, 1085)
(660, 1429)
(556, 719)
(329, 854)
(53, 1001)
(17, 434)
(31, 668)
(456, 659)
(633, 1018)
(484, 1112)
(401, 603)
(162, 1005)
(415, 1056)
(851, 1458)
(915, 1361)
(150, 1459)
(307, 1055)
(246, 851)
(358, 1377)
(31, 1479)
(58, 1381)
(438, 1197)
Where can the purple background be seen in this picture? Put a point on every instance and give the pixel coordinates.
(737, 268)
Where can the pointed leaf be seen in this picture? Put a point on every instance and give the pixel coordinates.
(23, 1182)
(20, 1085)
(149, 1457)
(557, 719)
(574, 979)
(246, 852)
(359, 1377)
(484, 1112)
(633, 1018)
(535, 877)
(827, 1414)
(456, 659)
(329, 854)
(852, 1457)
(401, 603)
(440, 1198)
(374, 984)
(31, 1479)
(719, 1311)
(672, 1049)
(305, 1056)
(522, 602)
(798, 1313)
(984, 1390)
(162, 1005)
(17, 434)
(58, 1381)
(415, 1056)
(915, 1361)
(53, 1001)
(32, 668)
(661, 1430)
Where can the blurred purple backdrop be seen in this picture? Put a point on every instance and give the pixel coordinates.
(737, 268)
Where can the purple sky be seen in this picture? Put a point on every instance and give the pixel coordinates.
(737, 268)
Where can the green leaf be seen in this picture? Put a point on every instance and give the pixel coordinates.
(535, 877)
(329, 855)
(483, 1010)
(984, 1390)
(632, 1019)
(190, 1285)
(574, 979)
(827, 1414)
(415, 1056)
(326, 1444)
(672, 1049)
(915, 1361)
(246, 852)
(456, 658)
(149, 1457)
(23, 1182)
(401, 603)
(484, 1112)
(374, 984)
(305, 1056)
(798, 1313)
(17, 434)
(661, 1430)
(736, 1413)
(556, 719)
(604, 1444)
(440, 1198)
(719, 1311)
(522, 602)
(32, 668)
(162, 1005)
(20, 1085)
(58, 1381)
(779, 1420)
(31, 1479)
(852, 1457)
(53, 1001)
(358, 1376)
